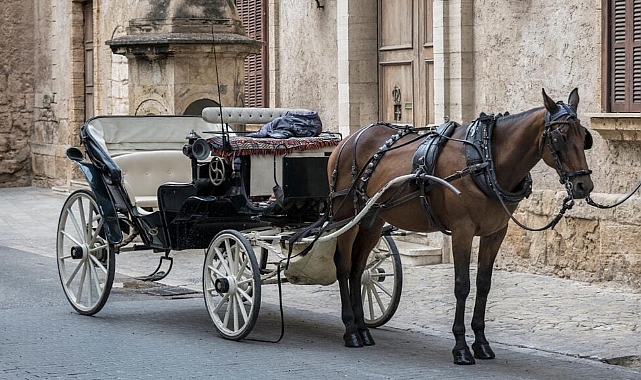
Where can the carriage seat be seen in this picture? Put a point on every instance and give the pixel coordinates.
(143, 172)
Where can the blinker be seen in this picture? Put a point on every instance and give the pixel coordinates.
(558, 140)
(587, 143)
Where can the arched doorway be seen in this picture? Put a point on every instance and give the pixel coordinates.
(196, 108)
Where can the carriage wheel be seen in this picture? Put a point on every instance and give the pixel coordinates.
(382, 283)
(231, 284)
(86, 260)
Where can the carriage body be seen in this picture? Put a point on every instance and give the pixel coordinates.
(150, 191)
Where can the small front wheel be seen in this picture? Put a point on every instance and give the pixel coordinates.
(382, 283)
(231, 284)
(86, 260)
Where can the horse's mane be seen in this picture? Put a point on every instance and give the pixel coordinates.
(515, 118)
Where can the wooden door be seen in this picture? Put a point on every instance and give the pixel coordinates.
(406, 61)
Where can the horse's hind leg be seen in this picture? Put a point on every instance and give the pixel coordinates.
(489, 247)
(365, 241)
(343, 261)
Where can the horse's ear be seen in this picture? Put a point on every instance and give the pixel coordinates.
(550, 105)
(573, 99)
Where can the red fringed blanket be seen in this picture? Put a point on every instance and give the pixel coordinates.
(244, 146)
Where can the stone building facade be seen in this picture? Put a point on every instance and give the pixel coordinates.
(17, 69)
(488, 55)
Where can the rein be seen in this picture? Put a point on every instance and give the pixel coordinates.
(592, 203)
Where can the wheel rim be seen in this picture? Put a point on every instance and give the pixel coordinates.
(381, 283)
(231, 285)
(85, 258)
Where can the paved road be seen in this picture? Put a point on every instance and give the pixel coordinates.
(540, 327)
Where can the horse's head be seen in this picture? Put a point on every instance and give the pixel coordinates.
(564, 142)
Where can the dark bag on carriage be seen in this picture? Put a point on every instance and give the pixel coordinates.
(292, 124)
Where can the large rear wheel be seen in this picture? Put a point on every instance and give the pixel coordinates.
(86, 260)
(382, 283)
(231, 284)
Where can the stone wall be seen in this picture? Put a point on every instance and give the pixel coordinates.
(16, 91)
(303, 55)
(521, 47)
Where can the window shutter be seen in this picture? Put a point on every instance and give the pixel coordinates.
(253, 14)
(625, 56)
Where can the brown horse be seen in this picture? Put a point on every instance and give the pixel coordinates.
(370, 158)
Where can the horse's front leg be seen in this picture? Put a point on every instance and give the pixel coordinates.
(461, 248)
(343, 261)
(488, 248)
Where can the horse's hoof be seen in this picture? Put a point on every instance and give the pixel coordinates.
(352, 340)
(366, 338)
(463, 356)
(483, 351)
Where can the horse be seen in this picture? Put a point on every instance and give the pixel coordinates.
(374, 155)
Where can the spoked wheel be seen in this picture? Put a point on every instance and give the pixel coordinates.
(382, 283)
(231, 284)
(86, 260)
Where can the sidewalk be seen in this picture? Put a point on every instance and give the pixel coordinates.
(599, 321)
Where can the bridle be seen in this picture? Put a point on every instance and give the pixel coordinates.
(557, 142)
(554, 138)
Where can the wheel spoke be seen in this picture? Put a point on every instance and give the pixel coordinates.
(230, 302)
(379, 301)
(74, 273)
(371, 302)
(230, 257)
(242, 268)
(96, 233)
(96, 281)
(83, 221)
(73, 239)
(383, 288)
(98, 263)
(79, 230)
(236, 308)
(215, 271)
(221, 303)
(222, 260)
(241, 306)
(245, 295)
(82, 282)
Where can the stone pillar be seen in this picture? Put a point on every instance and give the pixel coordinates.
(357, 64)
(454, 60)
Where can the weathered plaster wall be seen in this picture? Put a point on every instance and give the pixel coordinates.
(522, 47)
(305, 52)
(16, 91)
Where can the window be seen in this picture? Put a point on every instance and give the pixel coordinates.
(253, 14)
(622, 56)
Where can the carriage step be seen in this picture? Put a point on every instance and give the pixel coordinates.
(414, 254)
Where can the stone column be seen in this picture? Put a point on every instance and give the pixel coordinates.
(357, 64)
(454, 60)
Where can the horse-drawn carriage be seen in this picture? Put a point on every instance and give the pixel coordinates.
(234, 202)
(171, 183)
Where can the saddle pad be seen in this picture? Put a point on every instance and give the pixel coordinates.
(426, 154)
